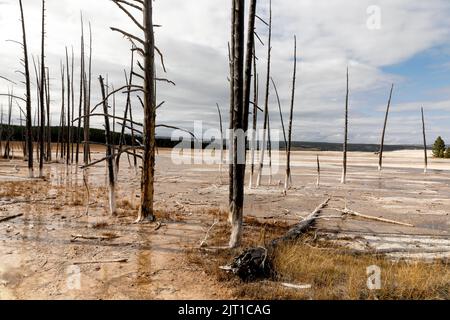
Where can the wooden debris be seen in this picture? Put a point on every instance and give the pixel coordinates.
(296, 286)
(255, 262)
(204, 241)
(109, 237)
(101, 262)
(11, 217)
(158, 226)
(356, 214)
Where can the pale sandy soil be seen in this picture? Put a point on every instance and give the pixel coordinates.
(37, 255)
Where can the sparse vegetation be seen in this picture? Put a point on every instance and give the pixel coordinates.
(332, 272)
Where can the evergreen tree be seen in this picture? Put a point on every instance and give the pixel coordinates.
(439, 148)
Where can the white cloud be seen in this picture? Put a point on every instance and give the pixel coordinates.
(331, 35)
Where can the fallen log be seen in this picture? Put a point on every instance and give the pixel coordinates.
(79, 236)
(296, 286)
(357, 214)
(256, 262)
(11, 217)
(101, 262)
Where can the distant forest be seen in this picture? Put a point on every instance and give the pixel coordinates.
(98, 136)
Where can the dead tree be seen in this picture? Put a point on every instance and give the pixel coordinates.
(269, 149)
(128, 81)
(288, 181)
(72, 111)
(221, 140)
(146, 48)
(424, 143)
(63, 112)
(266, 102)
(283, 127)
(80, 105)
(250, 51)
(41, 96)
(109, 152)
(255, 121)
(237, 198)
(318, 172)
(344, 162)
(29, 136)
(380, 160)
(69, 122)
(49, 130)
(87, 103)
(9, 130)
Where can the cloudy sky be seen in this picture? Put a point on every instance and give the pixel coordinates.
(406, 42)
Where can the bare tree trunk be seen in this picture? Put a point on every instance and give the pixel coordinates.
(255, 120)
(72, 111)
(87, 103)
(63, 112)
(77, 156)
(29, 136)
(237, 204)
(424, 143)
(269, 149)
(41, 97)
(9, 131)
(318, 172)
(147, 181)
(248, 65)
(344, 163)
(127, 107)
(380, 160)
(109, 153)
(288, 180)
(266, 103)
(231, 133)
(221, 141)
(49, 130)
(69, 124)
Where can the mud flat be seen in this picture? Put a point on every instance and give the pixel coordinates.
(43, 256)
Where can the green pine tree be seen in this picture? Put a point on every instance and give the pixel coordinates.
(439, 148)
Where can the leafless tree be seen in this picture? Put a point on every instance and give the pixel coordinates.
(29, 136)
(253, 144)
(109, 152)
(221, 140)
(41, 96)
(146, 48)
(82, 85)
(87, 102)
(63, 112)
(380, 160)
(266, 102)
(239, 148)
(424, 143)
(344, 162)
(69, 119)
(288, 181)
(318, 172)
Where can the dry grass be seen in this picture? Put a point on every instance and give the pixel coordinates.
(332, 272)
(335, 274)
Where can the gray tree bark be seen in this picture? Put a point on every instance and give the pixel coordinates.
(380, 160)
